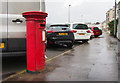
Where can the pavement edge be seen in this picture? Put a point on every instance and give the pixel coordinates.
(25, 70)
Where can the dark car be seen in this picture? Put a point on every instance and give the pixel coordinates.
(60, 34)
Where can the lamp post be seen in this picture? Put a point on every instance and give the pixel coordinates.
(115, 22)
(69, 14)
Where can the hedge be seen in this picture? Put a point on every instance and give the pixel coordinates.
(111, 27)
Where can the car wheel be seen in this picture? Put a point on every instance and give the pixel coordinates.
(96, 36)
(69, 45)
(91, 38)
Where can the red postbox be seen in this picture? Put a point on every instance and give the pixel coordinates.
(35, 39)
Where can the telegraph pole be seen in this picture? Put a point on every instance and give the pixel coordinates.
(115, 22)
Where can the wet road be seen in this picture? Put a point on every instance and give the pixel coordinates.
(12, 65)
(96, 60)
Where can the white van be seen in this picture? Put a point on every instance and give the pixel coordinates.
(81, 31)
(13, 39)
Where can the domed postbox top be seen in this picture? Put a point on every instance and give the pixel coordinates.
(34, 14)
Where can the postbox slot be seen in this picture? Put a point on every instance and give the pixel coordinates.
(42, 25)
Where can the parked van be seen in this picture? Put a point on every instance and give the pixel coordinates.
(14, 27)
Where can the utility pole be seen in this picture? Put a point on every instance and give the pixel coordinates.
(69, 14)
(115, 22)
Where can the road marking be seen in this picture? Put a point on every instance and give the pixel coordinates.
(11, 76)
(57, 56)
(23, 71)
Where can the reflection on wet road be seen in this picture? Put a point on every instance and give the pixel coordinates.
(92, 61)
(11, 65)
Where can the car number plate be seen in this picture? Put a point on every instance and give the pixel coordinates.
(97, 32)
(63, 33)
(1, 45)
(81, 34)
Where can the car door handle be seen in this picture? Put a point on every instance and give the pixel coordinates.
(18, 21)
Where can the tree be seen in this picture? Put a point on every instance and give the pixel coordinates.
(97, 23)
(111, 27)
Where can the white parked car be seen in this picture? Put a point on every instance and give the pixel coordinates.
(81, 31)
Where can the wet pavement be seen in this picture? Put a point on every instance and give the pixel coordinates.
(14, 64)
(96, 60)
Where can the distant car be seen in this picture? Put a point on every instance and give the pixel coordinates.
(60, 34)
(82, 33)
(97, 32)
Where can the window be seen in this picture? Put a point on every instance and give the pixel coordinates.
(80, 26)
(96, 28)
(59, 26)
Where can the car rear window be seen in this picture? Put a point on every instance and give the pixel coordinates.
(96, 28)
(80, 26)
(59, 26)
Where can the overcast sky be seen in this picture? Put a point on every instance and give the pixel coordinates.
(81, 10)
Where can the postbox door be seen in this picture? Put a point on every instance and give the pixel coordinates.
(40, 46)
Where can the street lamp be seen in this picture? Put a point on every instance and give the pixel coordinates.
(115, 22)
(69, 14)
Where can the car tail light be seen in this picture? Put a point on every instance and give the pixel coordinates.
(50, 42)
(88, 31)
(51, 31)
(73, 31)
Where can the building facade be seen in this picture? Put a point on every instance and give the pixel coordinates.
(110, 14)
(118, 28)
